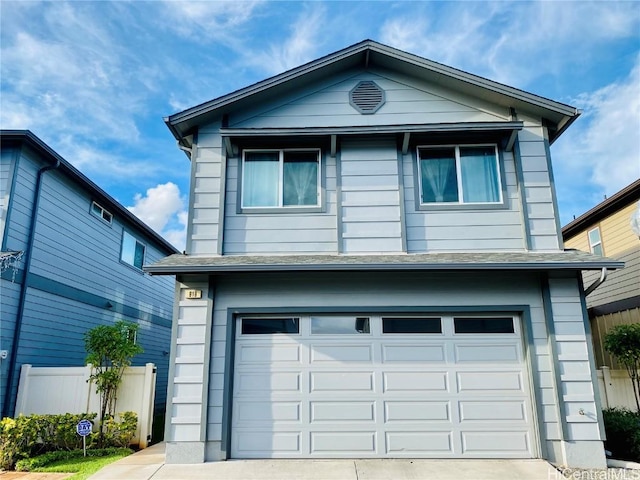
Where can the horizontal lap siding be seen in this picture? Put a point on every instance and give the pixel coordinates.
(537, 187)
(17, 230)
(280, 232)
(463, 230)
(620, 284)
(207, 184)
(617, 236)
(572, 347)
(407, 100)
(374, 291)
(370, 184)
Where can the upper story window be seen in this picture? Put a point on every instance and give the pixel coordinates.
(132, 252)
(595, 242)
(100, 212)
(281, 178)
(459, 174)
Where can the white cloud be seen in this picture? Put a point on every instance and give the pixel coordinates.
(600, 153)
(298, 48)
(163, 209)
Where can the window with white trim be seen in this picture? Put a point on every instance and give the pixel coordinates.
(286, 178)
(459, 174)
(595, 242)
(132, 252)
(100, 212)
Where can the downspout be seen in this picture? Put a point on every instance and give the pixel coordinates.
(23, 290)
(597, 283)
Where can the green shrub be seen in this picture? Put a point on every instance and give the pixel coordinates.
(31, 464)
(28, 436)
(623, 433)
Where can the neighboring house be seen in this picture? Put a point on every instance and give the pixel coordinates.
(375, 268)
(79, 264)
(611, 228)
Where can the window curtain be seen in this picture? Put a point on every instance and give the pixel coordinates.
(260, 179)
(439, 181)
(479, 174)
(300, 178)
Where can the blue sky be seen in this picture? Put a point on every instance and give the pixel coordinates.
(95, 79)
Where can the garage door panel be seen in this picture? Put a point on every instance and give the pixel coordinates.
(341, 443)
(342, 412)
(492, 441)
(373, 393)
(415, 381)
(341, 381)
(499, 353)
(340, 353)
(257, 444)
(493, 411)
(265, 354)
(423, 443)
(269, 411)
(495, 382)
(398, 411)
(250, 383)
(413, 353)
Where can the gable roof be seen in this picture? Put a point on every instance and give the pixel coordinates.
(621, 199)
(558, 116)
(26, 137)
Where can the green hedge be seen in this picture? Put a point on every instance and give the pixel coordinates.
(31, 464)
(623, 433)
(28, 436)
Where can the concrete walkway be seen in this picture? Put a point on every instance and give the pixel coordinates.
(148, 464)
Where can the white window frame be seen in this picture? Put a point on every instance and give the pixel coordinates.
(122, 250)
(593, 245)
(104, 214)
(456, 148)
(281, 152)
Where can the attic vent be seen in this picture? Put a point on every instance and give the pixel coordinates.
(366, 97)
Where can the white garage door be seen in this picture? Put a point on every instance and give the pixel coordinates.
(378, 386)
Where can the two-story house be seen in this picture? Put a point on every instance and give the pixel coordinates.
(612, 229)
(375, 268)
(73, 259)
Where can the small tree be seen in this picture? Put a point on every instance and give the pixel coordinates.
(623, 342)
(110, 349)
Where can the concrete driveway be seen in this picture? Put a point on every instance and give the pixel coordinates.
(149, 464)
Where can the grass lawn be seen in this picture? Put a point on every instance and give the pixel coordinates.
(82, 467)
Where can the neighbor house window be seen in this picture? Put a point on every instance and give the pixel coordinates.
(100, 212)
(280, 178)
(132, 251)
(595, 242)
(459, 174)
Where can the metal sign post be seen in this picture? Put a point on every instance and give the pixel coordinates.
(84, 428)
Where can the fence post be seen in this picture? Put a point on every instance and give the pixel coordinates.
(146, 411)
(608, 385)
(23, 389)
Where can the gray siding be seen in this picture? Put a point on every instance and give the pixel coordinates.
(6, 170)
(408, 100)
(280, 232)
(370, 197)
(77, 280)
(620, 284)
(463, 230)
(370, 291)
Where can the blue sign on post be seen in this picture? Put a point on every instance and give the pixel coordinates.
(84, 428)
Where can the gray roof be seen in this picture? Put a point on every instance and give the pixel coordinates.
(367, 54)
(565, 260)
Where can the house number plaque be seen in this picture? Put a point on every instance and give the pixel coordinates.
(194, 294)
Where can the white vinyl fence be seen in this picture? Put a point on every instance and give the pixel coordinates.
(56, 390)
(616, 389)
